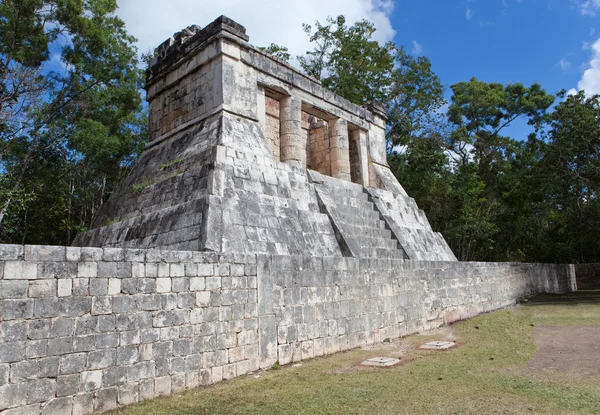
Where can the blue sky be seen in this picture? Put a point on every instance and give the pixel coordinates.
(544, 41)
(513, 41)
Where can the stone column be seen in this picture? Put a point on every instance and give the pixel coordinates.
(358, 157)
(293, 144)
(339, 149)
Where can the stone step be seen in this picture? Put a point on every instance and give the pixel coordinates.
(362, 221)
(354, 203)
(369, 231)
(367, 242)
(349, 214)
(384, 253)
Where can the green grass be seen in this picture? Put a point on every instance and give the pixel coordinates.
(484, 375)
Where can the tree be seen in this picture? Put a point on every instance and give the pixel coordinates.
(68, 99)
(280, 52)
(348, 61)
(571, 171)
(481, 111)
(415, 97)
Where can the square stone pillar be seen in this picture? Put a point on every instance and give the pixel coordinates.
(293, 142)
(359, 157)
(339, 149)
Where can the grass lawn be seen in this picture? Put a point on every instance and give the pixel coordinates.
(486, 374)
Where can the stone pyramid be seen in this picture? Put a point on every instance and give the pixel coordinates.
(249, 155)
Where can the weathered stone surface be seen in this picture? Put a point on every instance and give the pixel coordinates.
(297, 264)
(381, 362)
(234, 132)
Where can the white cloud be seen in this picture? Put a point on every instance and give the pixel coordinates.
(588, 7)
(564, 64)
(417, 48)
(468, 14)
(590, 80)
(266, 21)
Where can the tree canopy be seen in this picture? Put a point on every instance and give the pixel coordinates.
(71, 114)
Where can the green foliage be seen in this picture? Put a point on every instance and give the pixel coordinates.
(415, 97)
(481, 111)
(72, 119)
(278, 51)
(348, 61)
(571, 172)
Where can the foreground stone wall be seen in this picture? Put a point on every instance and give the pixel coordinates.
(326, 305)
(588, 276)
(90, 329)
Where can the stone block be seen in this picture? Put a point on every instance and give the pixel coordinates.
(52, 270)
(87, 269)
(41, 390)
(45, 253)
(91, 380)
(106, 399)
(206, 270)
(101, 305)
(13, 331)
(162, 386)
(114, 376)
(67, 385)
(36, 348)
(91, 254)
(73, 254)
(101, 359)
(13, 289)
(20, 270)
(11, 252)
(24, 370)
(163, 285)
(24, 410)
(58, 406)
(128, 394)
(114, 286)
(42, 288)
(12, 352)
(65, 287)
(127, 355)
(83, 404)
(107, 340)
(14, 395)
(197, 283)
(180, 285)
(60, 346)
(73, 363)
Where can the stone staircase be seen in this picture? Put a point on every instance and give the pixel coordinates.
(356, 219)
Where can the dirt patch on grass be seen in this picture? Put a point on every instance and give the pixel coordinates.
(574, 350)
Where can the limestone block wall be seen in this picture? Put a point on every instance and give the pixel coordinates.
(588, 276)
(89, 329)
(193, 95)
(269, 207)
(326, 305)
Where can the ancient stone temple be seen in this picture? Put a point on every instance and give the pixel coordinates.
(281, 235)
(249, 155)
